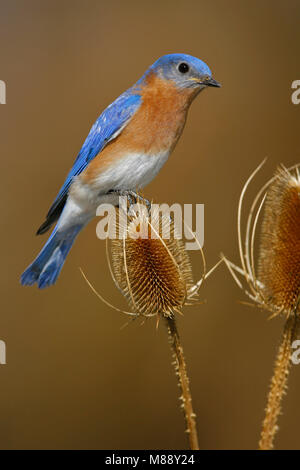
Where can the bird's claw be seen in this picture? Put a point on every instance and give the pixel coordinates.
(132, 198)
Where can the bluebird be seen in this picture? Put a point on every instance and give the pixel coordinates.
(124, 150)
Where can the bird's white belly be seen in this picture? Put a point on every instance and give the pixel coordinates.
(131, 172)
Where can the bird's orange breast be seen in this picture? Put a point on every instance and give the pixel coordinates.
(154, 128)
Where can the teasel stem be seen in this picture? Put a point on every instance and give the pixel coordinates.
(183, 381)
(278, 385)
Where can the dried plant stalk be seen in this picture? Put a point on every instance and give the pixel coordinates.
(278, 385)
(155, 276)
(183, 380)
(279, 273)
(275, 286)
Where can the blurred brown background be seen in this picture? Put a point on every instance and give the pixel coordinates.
(73, 378)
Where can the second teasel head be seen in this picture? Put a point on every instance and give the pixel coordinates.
(279, 256)
(274, 284)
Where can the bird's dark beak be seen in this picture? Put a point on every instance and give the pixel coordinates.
(212, 82)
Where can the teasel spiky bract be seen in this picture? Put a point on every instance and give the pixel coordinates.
(275, 284)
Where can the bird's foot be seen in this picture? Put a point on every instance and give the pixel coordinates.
(132, 197)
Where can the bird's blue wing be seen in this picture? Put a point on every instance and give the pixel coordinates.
(108, 125)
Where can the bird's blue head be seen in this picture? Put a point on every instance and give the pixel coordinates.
(185, 70)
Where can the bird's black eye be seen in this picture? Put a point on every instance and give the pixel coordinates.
(183, 67)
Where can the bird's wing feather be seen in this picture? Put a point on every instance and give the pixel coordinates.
(108, 125)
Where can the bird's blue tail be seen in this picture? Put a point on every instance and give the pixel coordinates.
(46, 267)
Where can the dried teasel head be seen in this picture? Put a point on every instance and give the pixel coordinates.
(153, 273)
(276, 285)
(279, 257)
(149, 263)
